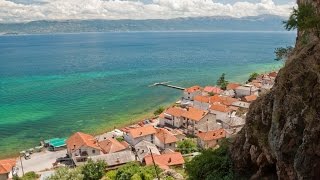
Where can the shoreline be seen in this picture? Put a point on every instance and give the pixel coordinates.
(129, 121)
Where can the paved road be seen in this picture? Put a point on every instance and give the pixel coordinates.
(40, 161)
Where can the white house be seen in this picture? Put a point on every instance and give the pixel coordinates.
(201, 102)
(134, 136)
(221, 111)
(116, 159)
(210, 139)
(165, 139)
(172, 117)
(246, 90)
(195, 120)
(190, 92)
(143, 148)
(80, 146)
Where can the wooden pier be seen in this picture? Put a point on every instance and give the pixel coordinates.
(168, 85)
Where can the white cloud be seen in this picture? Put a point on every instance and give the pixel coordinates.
(126, 9)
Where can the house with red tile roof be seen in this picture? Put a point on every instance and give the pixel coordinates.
(6, 166)
(189, 93)
(165, 139)
(212, 89)
(195, 120)
(232, 86)
(144, 148)
(201, 102)
(135, 135)
(112, 145)
(221, 111)
(80, 146)
(210, 139)
(166, 161)
(171, 117)
(250, 98)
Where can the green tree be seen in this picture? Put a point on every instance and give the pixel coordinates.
(93, 170)
(211, 164)
(158, 111)
(64, 173)
(283, 53)
(222, 82)
(253, 76)
(304, 18)
(133, 171)
(187, 146)
(27, 176)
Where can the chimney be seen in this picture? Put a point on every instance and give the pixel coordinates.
(169, 160)
(118, 160)
(214, 134)
(140, 133)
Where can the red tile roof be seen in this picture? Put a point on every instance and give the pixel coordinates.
(79, 139)
(192, 89)
(165, 160)
(250, 98)
(212, 89)
(226, 100)
(232, 86)
(165, 136)
(273, 74)
(175, 111)
(212, 135)
(220, 108)
(194, 114)
(112, 145)
(200, 98)
(142, 131)
(6, 165)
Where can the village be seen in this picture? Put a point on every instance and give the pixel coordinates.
(203, 115)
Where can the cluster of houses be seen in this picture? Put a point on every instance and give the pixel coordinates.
(208, 114)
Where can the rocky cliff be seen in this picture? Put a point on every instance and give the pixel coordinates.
(281, 138)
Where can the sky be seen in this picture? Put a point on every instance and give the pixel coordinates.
(32, 10)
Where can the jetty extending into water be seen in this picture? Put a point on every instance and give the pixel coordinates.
(168, 85)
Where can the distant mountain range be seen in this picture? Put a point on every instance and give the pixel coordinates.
(254, 23)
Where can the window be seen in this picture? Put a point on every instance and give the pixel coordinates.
(93, 151)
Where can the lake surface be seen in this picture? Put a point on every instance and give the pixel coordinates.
(54, 85)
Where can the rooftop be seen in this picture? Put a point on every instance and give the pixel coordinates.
(6, 165)
(142, 131)
(250, 98)
(212, 89)
(165, 136)
(79, 139)
(165, 160)
(192, 89)
(232, 86)
(116, 158)
(194, 114)
(200, 98)
(220, 108)
(212, 135)
(112, 145)
(174, 111)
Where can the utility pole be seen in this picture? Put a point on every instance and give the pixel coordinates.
(154, 164)
(21, 166)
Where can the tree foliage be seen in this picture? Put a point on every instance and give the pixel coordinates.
(187, 146)
(158, 111)
(222, 82)
(304, 18)
(253, 76)
(283, 53)
(211, 164)
(93, 170)
(132, 171)
(64, 173)
(27, 176)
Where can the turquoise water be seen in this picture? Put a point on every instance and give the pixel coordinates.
(53, 85)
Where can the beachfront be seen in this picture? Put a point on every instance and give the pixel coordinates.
(204, 114)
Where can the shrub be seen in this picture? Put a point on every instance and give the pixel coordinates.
(253, 76)
(93, 170)
(211, 164)
(222, 82)
(158, 111)
(304, 18)
(64, 173)
(283, 53)
(186, 146)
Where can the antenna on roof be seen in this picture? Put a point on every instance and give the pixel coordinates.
(154, 164)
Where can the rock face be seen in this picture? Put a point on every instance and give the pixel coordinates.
(281, 138)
